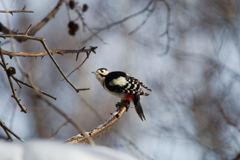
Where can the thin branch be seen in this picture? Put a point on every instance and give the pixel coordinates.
(166, 32)
(23, 109)
(15, 79)
(44, 21)
(124, 138)
(36, 28)
(41, 54)
(90, 140)
(92, 49)
(7, 133)
(145, 20)
(119, 22)
(28, 29)
(85, 25)
(103, 128)
(59, 128)
(225, 116)
(45, 46)
(42, 40)
(17, 11)
(9, 130)
(19, 81)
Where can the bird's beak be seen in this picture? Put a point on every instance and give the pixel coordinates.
(94, 72)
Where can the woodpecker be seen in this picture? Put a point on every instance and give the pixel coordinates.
(121, 85)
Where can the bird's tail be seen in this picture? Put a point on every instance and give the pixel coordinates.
(138, 107)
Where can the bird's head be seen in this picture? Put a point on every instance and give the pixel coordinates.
(101, 74)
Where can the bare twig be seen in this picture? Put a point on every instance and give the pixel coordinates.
(41, 54)
(10, 131)
(102, 129)
(7, 133)
(15, 79)
(17, 11)
(90, 140)
(121, 21)
(203, 58)
(23, 109)
(19, 81)
(85, 25)
(146, 18)
(166, 32)
(59, 128)
(124, 138)
(42, 40)
(37, 27)
(225, 116)
(92, 49)
(77, 90)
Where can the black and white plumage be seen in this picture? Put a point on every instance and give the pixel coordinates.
(123, 86)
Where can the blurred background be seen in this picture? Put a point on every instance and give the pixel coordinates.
(187, 52)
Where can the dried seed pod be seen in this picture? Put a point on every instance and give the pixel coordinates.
(71, 4)
(84, 8)
(11, 71)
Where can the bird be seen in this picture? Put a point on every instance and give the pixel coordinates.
(122, 85)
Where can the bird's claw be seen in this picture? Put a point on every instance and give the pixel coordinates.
(123, 103)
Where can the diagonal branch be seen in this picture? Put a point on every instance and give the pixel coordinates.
(46, 19)
(166, 32)
(6, 129)
(103, 128)
(19, 81)
(124, 138)
(59, 128)
(89, 139)
(23, 109)
(85, 25)
(145, 19)
(120, 21)
(92, 49)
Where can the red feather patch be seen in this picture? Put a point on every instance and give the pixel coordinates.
(130, 97)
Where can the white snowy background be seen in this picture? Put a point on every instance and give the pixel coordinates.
(193, 110)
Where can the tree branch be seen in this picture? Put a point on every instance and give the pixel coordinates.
(120, 21)
(41, 54)
(166, 32)
(124, 138)
(92, 49)
(17, 11)
(103, 128)
(59, 128)
(19, 81)
(42, 40)
(37, 27)
(89, 139)
(145, 19)
(23, 109)
(46, 19)
(6, 129)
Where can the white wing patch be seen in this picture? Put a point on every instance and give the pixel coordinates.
(121, 81)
